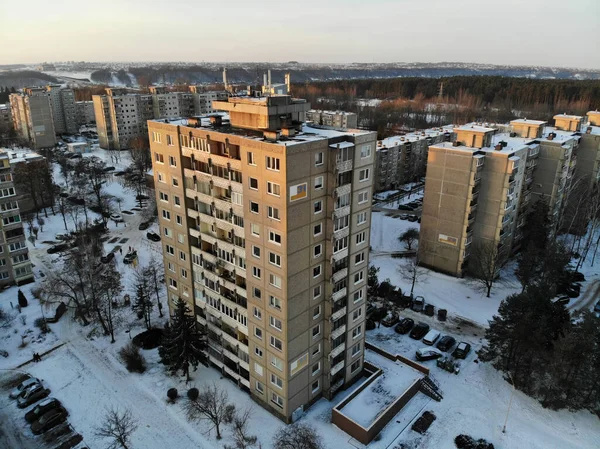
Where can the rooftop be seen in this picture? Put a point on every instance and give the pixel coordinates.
(472, 127)
(570, 117)
(393, 141)
(524, 121)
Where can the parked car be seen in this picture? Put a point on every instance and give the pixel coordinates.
(390, 319)
(577, 276)
(404, 216)
(32, 395)
(418, 304)
(153, 236)
(75, 156)
(57, 248)
(130, 257)
(144, 225)
(405, 207)
(563, 300)
(419, 331)
(116, 217)
(22, 386)
(462, 350)
(445, 343)
(428, 354)
(107, 258)
(44, 406)
(68, 441)
(412, 218)
(49, 420)
(414, 204)
(431, 337)
(370, 324)
(404, 325)
(62, 237)
(109, 168)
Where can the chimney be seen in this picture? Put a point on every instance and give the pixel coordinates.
(288, 83)
(551, 136)
(588, 130)
(456, 143)
(225, 78)
(271, 136)
(498, 147)
(288, 132)
(216, 120)
(269, 77)
(265, 80)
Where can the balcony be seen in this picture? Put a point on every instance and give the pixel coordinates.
(337, 350)
(343, 190)
(339, 314)
(343, 166)
(341, 233)
(340, 255)
(339, 275)
(338, 332)
(342, 211)
(336, 386)
(336, 296)
(336, 368)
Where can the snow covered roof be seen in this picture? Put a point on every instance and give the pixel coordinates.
(524, 121)
(341, 145)
(571, 117)
(474, 128)
(416, 136)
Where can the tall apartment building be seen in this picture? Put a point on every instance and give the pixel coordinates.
(203, 101)
(402, 159)
(32, 117)
(265, 225)
(84, 113)
(337, 119)
(15, 266)
(5, 118)
(171, 104)
(62, 101)
(479, 188)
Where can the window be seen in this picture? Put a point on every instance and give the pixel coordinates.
(316, 292)
(315, 386)
(166, 214)
(318, 183)
(256, 292)
(318, 206)
(182, 255)
(276, 343)
(258, 332)
(272, 163)
(273, 189)
(255, 229)
(341, 223)
(355, 366)
(276, 380)
(363, 175)
(340, 244)
(357, 332)
(179, 220)
(253, 207)
(176, 200)
(363, 197)
(358, 296)
(274, 280)
(275, 302)
(172, 161)
(160, 177)
(317, 229)
(168, 232)
(277, 400)
(236, 198)
(273, 212)
(342, 201)
(317, 271)
(169, 139)
(318, 159)
(357, 314)
(257, 313)
(251, 160)
(256, 272)
(275, 322)
(275, 259)
(170, 250)
(253, 183)
(361, 218)
(356, 349)
(315, 368)
(172, 283)
(316, 349)
(260, 387)
(316, 312)
(274, 237)
(317, 250)
(365, 151)
(359, 258)
(277, 363)
(11, 220)
(175, 181)
(359, 277)
(171, 267)
(184, 273)
(159, 158)
(258, 352)
(361, 238)
(316, 331)
(256, 251)
(156, 137)
(258, 369)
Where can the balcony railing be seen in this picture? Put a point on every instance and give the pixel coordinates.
(338, 332)
(337, 315)
(337, 350)
(337, 367)
(339, 294)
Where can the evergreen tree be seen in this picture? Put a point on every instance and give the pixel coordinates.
(22, 299)
(183, 343)
(143, 303)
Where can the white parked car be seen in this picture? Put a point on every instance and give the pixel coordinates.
(431, 337)
(116, 217)
(22, 386)
(428, 354)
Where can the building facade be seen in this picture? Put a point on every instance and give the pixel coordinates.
(32, 117)
(337, 119)
(15, 266)
(62, 101)
(84, 113)
(265, 225)
(5, 118)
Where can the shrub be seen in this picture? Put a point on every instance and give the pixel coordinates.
(23, 319)
(149, 339)
(22, 299)
(42, 325)
(193, 394)
(133, 358)
(172, 394)
(468, 442)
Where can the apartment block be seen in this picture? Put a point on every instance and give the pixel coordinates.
(15, 266)
(265, 224)
(5, 118)
(337, 119)
(32, 117)
(62, 101)
(171, 104)
(402, 159)
(84, 113)
(203, 100)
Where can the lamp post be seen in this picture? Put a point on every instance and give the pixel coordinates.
(512, 383)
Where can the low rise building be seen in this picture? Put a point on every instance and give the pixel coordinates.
(336, 119)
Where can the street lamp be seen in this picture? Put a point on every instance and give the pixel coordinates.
(512, 383)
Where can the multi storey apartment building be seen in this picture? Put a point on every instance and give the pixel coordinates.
(32, 117)
(203, 100)
(478, 189)
(5, 118)
(265, 224)
(337, 119)
(15, 266)
(402, 159)
(84, 113)
(171, 104)
(62, 101)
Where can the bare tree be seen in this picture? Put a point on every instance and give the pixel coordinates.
(6, 318)
(411, 271)
(241, 437)
(142, 289)
(118, 427)
(212, 405)
(297, 436)
(154, 272)
(63, 208)
(485, 265)
(409, 237)
(141, 162)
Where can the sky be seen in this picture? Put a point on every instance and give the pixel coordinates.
(563, 33)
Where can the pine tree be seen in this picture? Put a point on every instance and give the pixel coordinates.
(22, 299)
(183, 343)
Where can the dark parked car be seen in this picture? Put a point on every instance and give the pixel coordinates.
(153, 236)
(32, 395)
(75, 156)
(462, 350)
(419, 331)
(370, 325)
(404, 325)
(577, 276)
(43, 407)
(445, 343)
(406, 207)
(130, 257)
(418, 304)
(107, 258)
(109, 168)
(49, 420)
(58, 248)
(144, 225)
(390, 319)
(428, 354)
(413, 218)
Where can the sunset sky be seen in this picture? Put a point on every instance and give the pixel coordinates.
(532, 32)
